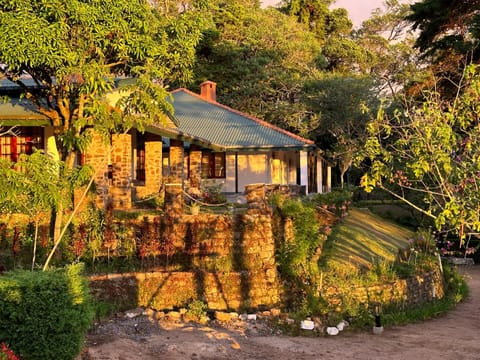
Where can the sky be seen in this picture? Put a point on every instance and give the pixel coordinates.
(358, 10)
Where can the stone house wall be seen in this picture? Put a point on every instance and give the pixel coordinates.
(112, 166)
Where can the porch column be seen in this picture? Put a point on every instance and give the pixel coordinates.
(121, 158)
(97, 155)
(176, 160)
(304, 170)
(195, 166)
(329, 178)
(153, 163)
(319, 174)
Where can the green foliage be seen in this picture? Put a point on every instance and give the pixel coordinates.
(75, 52)
(431, 150)
(44, 315)
(31, 185)
(339, 100)
(83, 46)
(298, 256)
(259, 59)
(387, 42)
(438, 22)
(104, 310)
(448, 37)
(456, 286)
(336, 201)
(197, 310)
(212, 192)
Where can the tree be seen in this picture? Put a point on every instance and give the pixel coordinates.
(75, 50)
(260, 58)
(449, 37)
(446, 26)
(389, 56)
(32, 186)
(338, 101)
(432, 151)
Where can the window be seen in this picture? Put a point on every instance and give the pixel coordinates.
(23, 140)
(213, 165)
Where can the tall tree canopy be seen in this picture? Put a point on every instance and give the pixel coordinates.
(447, 26)
(339, 102)
(387, 41)
(449, 37)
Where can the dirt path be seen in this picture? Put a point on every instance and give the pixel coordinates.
(454, 336)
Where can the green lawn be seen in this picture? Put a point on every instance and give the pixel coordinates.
(362, 240)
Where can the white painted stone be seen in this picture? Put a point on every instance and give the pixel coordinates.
(307, 325)
(332, 330)
(342, 325)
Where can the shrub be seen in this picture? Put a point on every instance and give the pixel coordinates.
(298, 257)
(6, 353)
(336, 201)
(44, 315)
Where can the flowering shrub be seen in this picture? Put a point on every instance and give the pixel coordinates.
(451, 248)
(211, 192)
(6, 353)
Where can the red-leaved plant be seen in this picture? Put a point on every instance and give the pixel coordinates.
(6, 353)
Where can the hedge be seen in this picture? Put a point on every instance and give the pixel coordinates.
(45, 315)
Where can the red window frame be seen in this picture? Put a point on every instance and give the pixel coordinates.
(22, 140)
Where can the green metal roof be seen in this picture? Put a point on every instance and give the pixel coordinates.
(228, 128)
(199, 122)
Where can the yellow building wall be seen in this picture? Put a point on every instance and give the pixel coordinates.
(252, 169)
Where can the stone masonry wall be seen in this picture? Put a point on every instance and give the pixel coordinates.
(121, 192)
(195, 165)
(113, 182)
(231, 263)
(228, 261)
(415, 290)
(96, 155)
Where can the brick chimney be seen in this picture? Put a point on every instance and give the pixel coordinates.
(208, 90)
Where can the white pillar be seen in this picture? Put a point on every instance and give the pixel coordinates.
(329, 178)
(319, 175)
(304, 170)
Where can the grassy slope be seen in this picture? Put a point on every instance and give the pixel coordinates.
(362, 239)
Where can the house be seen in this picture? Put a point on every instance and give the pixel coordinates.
(203, 141)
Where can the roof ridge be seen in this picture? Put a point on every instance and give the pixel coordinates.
(250, 117)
